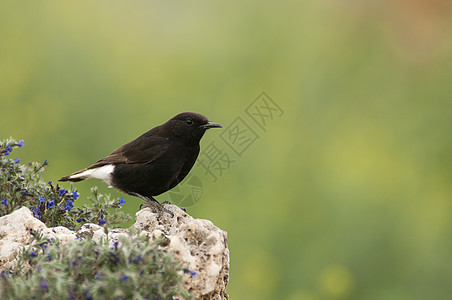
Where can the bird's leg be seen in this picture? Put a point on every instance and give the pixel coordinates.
(169, 202)
(152, 203)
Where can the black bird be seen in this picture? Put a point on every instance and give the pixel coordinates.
(153, 163)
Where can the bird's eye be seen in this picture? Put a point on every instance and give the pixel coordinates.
(189, 122)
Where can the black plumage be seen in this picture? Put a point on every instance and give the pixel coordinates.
(153, 163)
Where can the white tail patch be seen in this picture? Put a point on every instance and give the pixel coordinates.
(103, 173)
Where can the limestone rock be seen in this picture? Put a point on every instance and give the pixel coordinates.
(15, 233)
(199, 245)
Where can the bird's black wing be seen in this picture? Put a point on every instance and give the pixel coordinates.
(144, 149)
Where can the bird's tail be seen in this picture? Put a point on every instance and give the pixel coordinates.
(103, 172)
(75, 177)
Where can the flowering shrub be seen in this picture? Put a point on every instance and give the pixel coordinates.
(133, 268)
(22, 185)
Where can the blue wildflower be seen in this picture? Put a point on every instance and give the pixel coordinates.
(71, 295)
(98, 277)
(45, 163)
(36, 211)
(123, 278)
(42, 199)
(6, 153)
(87, 295)
(113, 258)
(33, 254)
(44, 246)
(102, 222)
(51, 203)
(21, 143)
(69, 205)
(4, 201)
(25, 193)
(44, 285)
(122, 201)
(50, 182)
(3, 274)
(193, 274)
(75, 195)
(9, 149)
(61, 192)
(79, 220)
(115, 244)
(17, 160)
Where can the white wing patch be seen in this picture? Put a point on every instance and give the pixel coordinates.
(103, 173)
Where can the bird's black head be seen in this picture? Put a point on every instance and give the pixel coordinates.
(190, 126)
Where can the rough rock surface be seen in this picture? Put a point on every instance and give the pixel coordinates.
(198, 244)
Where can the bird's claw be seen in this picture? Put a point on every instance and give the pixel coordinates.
(156, 207)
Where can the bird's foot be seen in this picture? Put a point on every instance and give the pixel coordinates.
(169, 202)
(157, 208)
(153, 204)
(166, 210)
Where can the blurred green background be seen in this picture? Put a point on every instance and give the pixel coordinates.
(347, 195)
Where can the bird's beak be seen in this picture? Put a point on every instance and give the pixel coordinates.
(211, 125)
